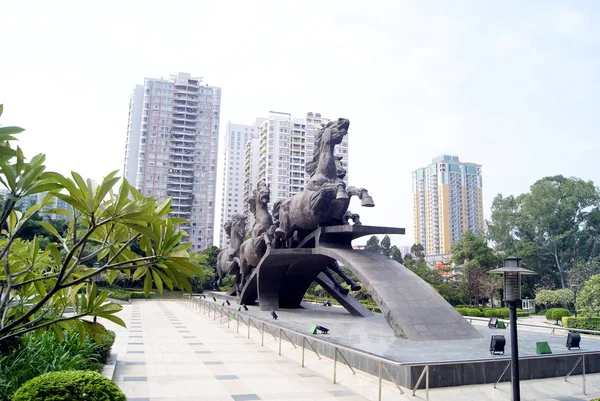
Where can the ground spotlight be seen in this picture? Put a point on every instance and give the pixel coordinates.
(245, 307)
(274, 315)
(573, 340)
(240, 308)
(223, 304)
(497, 345)
(493, 323)
(227, 302)
(326, 303)
(214, 299)
(317, 328)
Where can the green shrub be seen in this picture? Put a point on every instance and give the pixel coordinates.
(523, 314)
(72, 385)
(497, 312)
(557, 314)
(140, 295)
(463, 311)
(583, 323)
(474, 312)
(462, 306)
(45, 354)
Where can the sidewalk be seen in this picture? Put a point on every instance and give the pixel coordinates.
(171, 352)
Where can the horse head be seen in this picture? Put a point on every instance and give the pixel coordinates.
(237, 229)
(262, 193)
(329, 135)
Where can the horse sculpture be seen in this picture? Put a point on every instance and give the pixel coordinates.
(227, 259)
(325, 199)
(254, 248)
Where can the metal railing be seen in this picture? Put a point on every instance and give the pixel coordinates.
(519, 324)
(230, 314)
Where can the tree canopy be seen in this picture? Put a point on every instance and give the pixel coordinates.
(555, 227)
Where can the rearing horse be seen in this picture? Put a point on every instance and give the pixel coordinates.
(227, 262)
(325, 199)
(254, 248)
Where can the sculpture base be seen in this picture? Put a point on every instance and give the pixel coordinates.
(374, 336)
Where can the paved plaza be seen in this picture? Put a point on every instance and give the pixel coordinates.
(171, 352)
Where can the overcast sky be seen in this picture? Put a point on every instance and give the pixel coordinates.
(511, 85)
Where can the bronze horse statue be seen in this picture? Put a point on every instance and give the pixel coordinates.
(325, 200)
(255, 247)
(227, 259)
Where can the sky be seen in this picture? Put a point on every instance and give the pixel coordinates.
(510, 85)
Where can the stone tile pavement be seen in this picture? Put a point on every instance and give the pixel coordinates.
(170, 352)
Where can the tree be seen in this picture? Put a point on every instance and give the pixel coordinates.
(475, 282)
(37, 286)
(418, 251)
(552, 227)
(373, 244)
(396, 254)
(588, 299)
(474, 250)
(386, 245)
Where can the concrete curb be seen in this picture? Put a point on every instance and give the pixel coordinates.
(109, 369)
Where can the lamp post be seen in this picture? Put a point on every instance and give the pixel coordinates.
(512, 272)
(574, 288)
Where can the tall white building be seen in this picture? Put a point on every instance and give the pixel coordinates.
(232, 200)
(171, 150)
(279, 153)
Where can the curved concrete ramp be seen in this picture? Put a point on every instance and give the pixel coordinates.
(412, 307)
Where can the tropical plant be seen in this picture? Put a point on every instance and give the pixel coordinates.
(37, 286)
(38, 355)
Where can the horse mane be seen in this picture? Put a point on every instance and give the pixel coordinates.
(311, 166)
(227, 228)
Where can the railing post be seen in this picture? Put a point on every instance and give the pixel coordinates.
(427, 384)
(334, 365)
(262, 335)
(303, 339)
(279, 341)
(248, 327)
(583, 373)
(380, 373)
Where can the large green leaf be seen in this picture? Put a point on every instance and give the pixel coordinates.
(51, 229)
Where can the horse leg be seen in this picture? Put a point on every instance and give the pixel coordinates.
(366, 199)
(354, 286)
(336, 284)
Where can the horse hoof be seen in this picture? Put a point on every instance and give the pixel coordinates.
(367, 201)
(344, 291)
(341, 195)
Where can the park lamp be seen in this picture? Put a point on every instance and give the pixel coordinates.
(512, 272)
(96, 278)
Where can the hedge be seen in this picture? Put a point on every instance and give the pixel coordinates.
(557, 314)
(583, 323)
(70, 385)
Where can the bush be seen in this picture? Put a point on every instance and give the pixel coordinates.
(140, 295)
(463, 311)
(523, 314)
(583, 323)
(72, 385)
(45, 354)
(497, 312)
(474, 312)
(557, 314)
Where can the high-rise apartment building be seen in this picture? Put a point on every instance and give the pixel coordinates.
(448, 202)
(279, 154)
(232, 201)
(171, 150)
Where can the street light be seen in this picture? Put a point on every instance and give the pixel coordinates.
(512, 272)
(574, 288)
